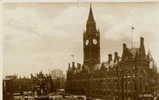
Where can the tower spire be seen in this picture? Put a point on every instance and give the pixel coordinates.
(91, 24)
(91, 40)
(90, 17)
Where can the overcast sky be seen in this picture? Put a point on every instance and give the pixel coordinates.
(43, 36)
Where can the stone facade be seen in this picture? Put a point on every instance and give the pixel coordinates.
(123, 77)
(37, 84)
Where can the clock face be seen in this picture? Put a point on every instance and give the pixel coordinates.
(87, 42)
(94, 41)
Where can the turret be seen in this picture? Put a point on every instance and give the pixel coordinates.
(69, 65)
(116, 57)
(69, 68)
(142, 49)
(124, 51)
(149, 56)
(141, 42)
(79, 67)
(73, 66)
(109, 58)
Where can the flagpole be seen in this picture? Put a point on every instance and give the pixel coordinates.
(132, 36)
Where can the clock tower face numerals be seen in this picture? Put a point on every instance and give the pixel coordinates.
(87, 42)
(95, 41)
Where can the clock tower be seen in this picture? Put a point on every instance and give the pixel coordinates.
(91, 43)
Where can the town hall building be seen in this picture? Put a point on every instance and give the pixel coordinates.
(125, 77)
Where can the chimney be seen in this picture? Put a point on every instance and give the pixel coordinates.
(124, 46)
(116, 54)
(141, 41)
(78, 65)
(142, 48)
(73, 65)
(69, 66)
(124, 53)
(109, 58)
(116, 58)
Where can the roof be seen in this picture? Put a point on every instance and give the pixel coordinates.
(91, 17)
(133, 51)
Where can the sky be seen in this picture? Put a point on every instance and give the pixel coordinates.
(43, 36)
(79, 0)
